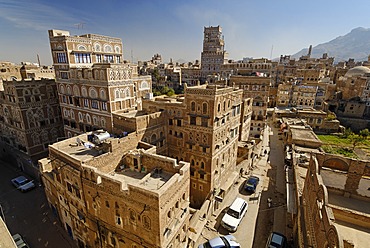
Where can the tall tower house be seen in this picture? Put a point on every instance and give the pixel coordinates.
(213, 54)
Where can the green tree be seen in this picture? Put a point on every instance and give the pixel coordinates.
(164, 90)
(156, 75)
(170, 92)
(356, 139)
(156, 92)
(365, 133)
(347, 132)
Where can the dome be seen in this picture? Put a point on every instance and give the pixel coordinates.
(357, 71)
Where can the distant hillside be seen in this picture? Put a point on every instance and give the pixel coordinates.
(355, 44)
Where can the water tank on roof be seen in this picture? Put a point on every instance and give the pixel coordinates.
(98, 138)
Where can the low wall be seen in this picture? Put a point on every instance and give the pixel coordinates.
(351, 216)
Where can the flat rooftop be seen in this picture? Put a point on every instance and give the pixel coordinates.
(153, 180)
(304, 134)
(360, 236)
(349, 203)
(79, 148)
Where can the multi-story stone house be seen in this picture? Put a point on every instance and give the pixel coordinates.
(93, 81)
(203, 128)
(247, 67)
(30, 120)
(213, 54)
(284, 95)
(310, 75)
(256, 88)
(117, 192)
(191, 75)
(9, 71)
(303, 96)
(37, 72)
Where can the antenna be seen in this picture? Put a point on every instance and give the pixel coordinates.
(132, 56)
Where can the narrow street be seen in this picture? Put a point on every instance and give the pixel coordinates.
(29, 214)
(260, 220)
(273, 218)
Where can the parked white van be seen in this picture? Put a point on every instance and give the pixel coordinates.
(234, 214)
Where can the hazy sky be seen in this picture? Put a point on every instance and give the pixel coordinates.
(252, 28)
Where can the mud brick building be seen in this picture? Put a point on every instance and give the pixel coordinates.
(117, 192)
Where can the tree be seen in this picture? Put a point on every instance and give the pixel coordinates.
(170, 92)
(347, 132)
(356, 139)
(164, 90)
(365, 133)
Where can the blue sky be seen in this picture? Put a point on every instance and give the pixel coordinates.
(252, 28)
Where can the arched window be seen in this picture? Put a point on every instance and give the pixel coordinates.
(44, 136)
(80, 117)
(192, 106)
(95, 120)
(116, 94)
(153, 138)
(93, 93)
(127, 94)
(103, 122)
(219, 107)
(205, 108)
(84, 91)
(144, 85)
(62, 90)
(108, 48)
(69, 90)
(97, 47)
(202, 165)
(146, 222)
(117, 49)
(76, 90)
(132, 215)
(88, 118)
(192, 162)
(81, 48)
(36, 138)
(54, 134)
(103, 94)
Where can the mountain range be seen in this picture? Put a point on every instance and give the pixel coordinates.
(355, 45)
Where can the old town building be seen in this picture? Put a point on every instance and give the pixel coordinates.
(30, 120)
(93, 81)
(213, 54)
(117, 192)
(256, 88)
(332, 197)
(203, 128)
(30, 70)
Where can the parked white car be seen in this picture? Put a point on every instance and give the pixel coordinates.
(23, 184)
(234, 214)
(220, 242)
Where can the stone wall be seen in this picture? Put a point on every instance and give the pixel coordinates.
(354, 172)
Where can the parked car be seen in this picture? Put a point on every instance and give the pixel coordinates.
(220, 242)
(251, 184)
(19, 241)
(234, 214)
(22, 183)
(276, 240)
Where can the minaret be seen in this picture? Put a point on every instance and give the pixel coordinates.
(309, 51)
